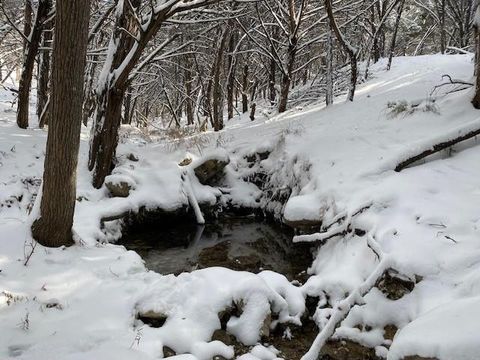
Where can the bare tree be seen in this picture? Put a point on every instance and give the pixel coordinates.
(32, 45)
(349, 49)
(53, 227)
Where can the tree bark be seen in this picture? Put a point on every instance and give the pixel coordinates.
(53, 227)
(232, 65)
(476, 98)
(29, 63)
(350, 50)
(44, 72)
(245, 89)
(217, 88)
(329, 70)
(394, 36)
(188, 90)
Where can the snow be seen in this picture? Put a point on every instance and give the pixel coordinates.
(81, 302)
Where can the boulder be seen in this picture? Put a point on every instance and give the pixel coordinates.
(211, 170)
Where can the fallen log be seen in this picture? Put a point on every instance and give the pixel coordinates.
(448, 141)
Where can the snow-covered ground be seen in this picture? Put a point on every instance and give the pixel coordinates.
(81, 302)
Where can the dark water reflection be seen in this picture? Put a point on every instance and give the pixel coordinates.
(240, 243)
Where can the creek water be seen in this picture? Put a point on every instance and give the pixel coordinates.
(238, 243)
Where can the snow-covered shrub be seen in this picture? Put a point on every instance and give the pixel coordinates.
(405, 108)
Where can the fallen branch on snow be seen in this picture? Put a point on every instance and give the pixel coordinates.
(343, 307)
(451, 81)
(447, 141)
(344, 221)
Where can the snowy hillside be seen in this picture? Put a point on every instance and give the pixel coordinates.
(396, 271)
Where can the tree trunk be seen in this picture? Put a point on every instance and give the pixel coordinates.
(232, 65)
(108, 111)
(27, 23)
(287, 76)
(394, 36)
(217, 88)
(53, 227)
(271, 82)
(188, 90)
(44, 72)
(476, 98)
(329, 70)
(127, 107)
(125, 52)
(349, 49)
(29, 63)
(245, 89)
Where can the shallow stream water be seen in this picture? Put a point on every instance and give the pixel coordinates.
(238, 243)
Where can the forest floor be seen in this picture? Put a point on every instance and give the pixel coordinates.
(416, 231)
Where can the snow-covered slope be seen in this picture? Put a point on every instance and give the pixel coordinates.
(80, 303)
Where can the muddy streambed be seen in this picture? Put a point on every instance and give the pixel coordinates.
(237, 243)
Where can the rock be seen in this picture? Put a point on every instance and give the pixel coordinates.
(346, 350)
(258, 156)
(152, 318)
(265, 329)
(119, 185)
(185, 162)
(121, 189)
(168, 352)
(395, 285)
(304, 225)
(53, 304)
(132, 157)
(211, 171)
(389, 332)
(223, 336)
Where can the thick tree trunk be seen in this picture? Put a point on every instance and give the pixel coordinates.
(476, 98)
(125, 54)
(53, 227)
(287, 77)
(108, 112)
(29, 63)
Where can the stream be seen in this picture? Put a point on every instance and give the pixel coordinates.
(237, 243)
